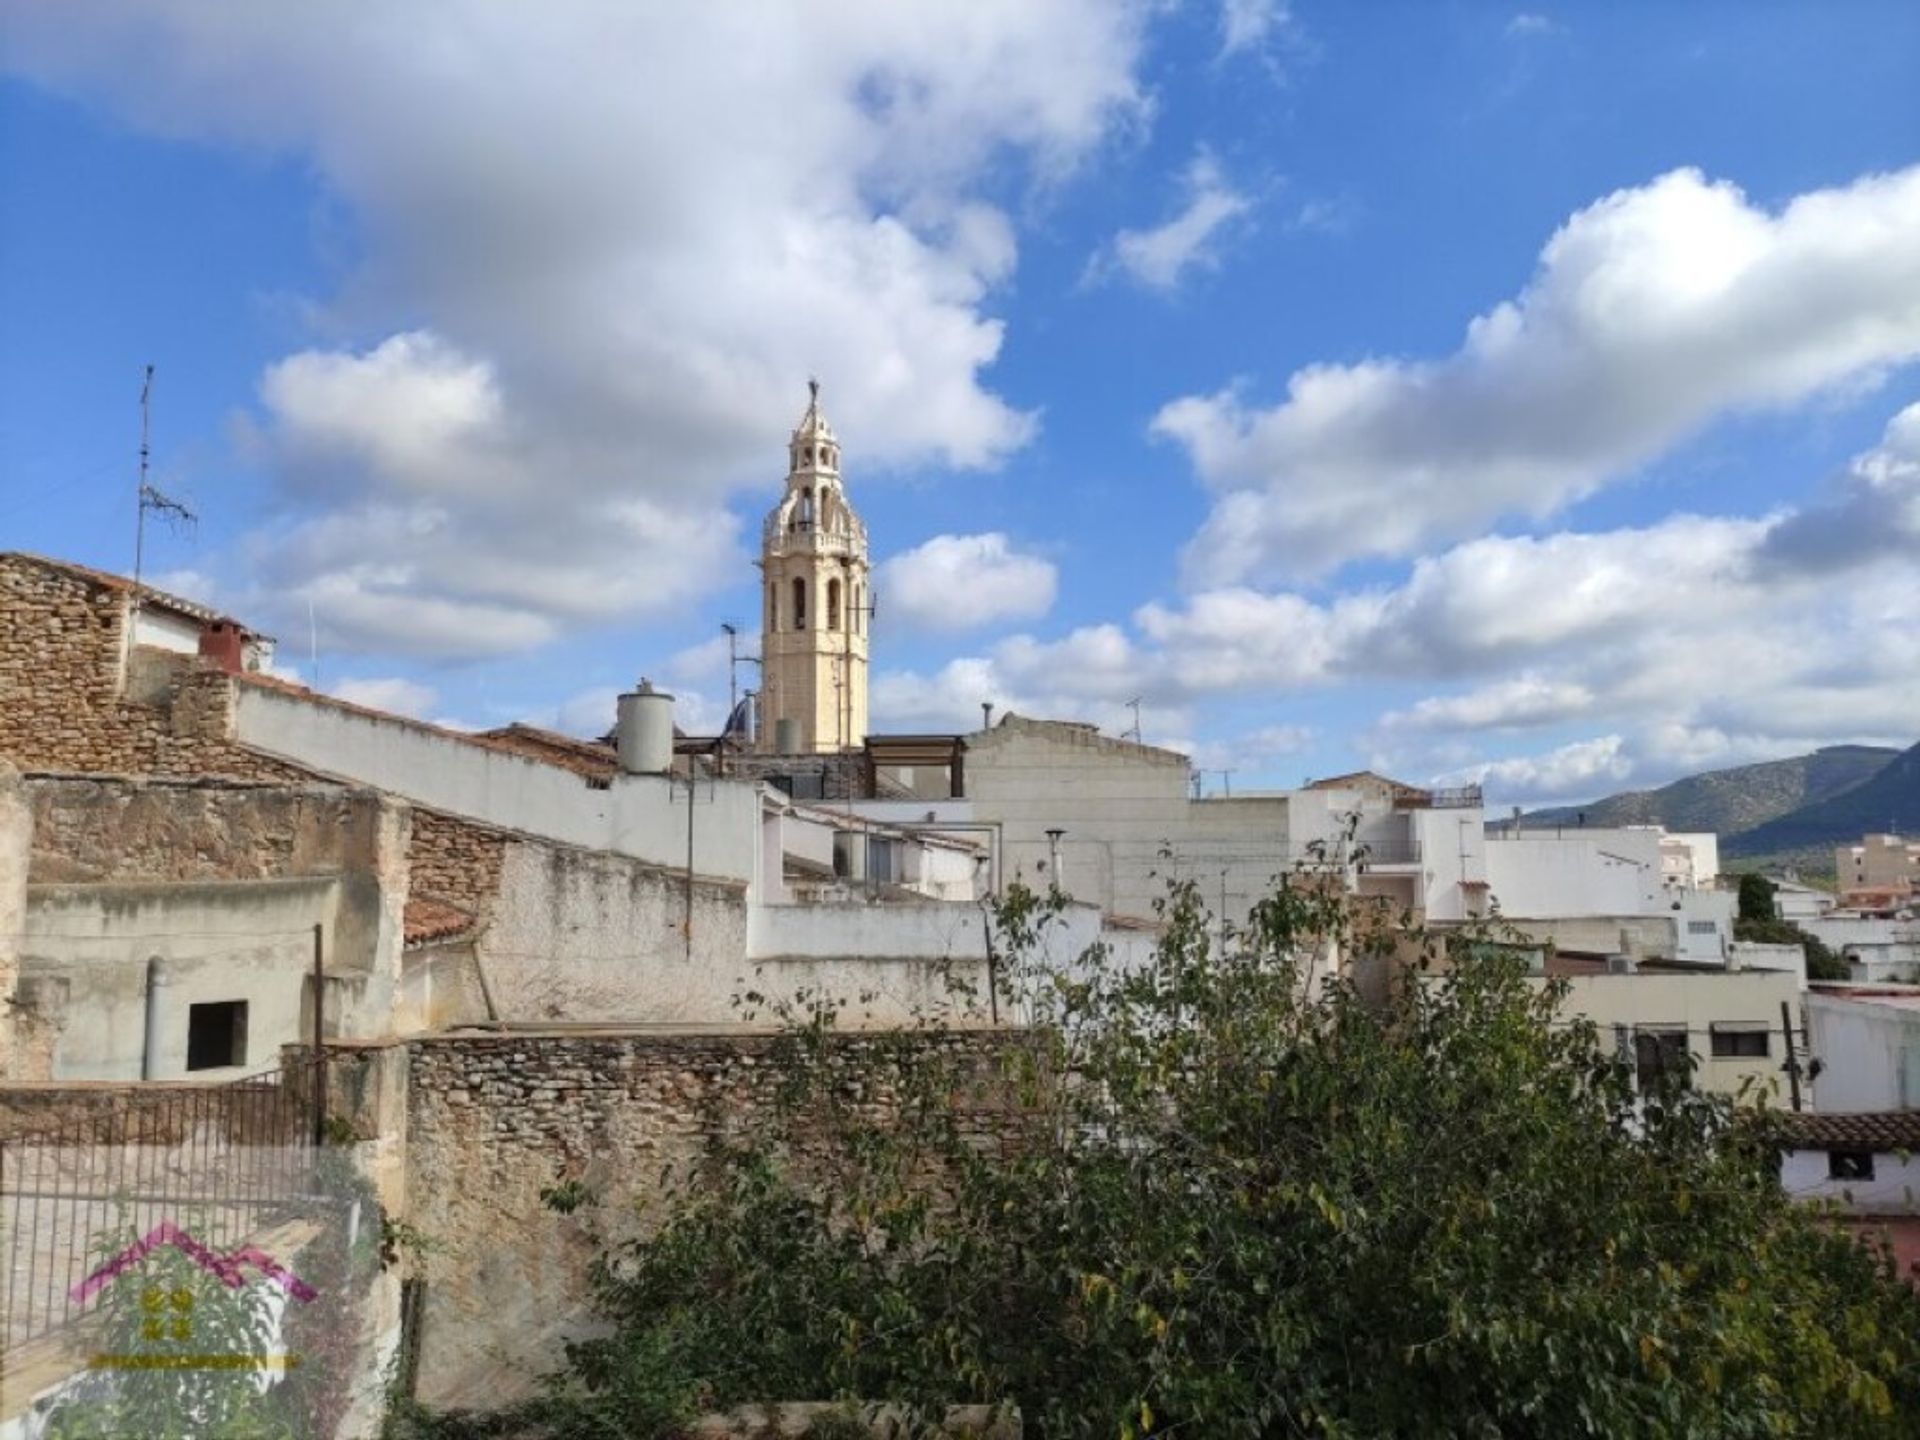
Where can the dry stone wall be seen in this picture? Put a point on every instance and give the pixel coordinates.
(64, 707)
(494, 1118)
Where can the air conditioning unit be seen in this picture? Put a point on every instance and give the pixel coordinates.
(1620, 965)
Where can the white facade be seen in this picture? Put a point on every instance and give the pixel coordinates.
(1867, 1040)
(1799, 903)
(642, 816)
(1126, 819)
(1892, 1189)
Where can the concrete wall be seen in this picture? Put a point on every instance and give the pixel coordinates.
(1121, 805)
(1894, 1189)
(1869, 1053)
(586, 936)
(87, 967)
(641, 816)
(224, 880)
(1576, 873)
(1695, 1003)
(16, 841)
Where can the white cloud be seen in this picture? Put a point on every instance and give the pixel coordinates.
(1695, 640)
(962, 582)
(1873, 510)
(392, 693)
(1530, 23)
(1652, 312)
(1160, 258)
(602, 246)
(1523, 702)
(1248, 24)
(1584, 767)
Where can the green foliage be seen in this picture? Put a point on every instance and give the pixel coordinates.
(1757, 922)
(157, 1324)
(1221, 1196)
(1756, 897)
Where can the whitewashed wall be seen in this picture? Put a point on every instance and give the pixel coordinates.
(643, 816)
(1894, 1189)
(1869, 1053)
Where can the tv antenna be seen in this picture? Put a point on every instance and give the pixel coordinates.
(1134, 705)
(150, 498)
(734, 661)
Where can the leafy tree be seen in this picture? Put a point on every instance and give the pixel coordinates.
(1756, 897)
(1222, 1196)
(1757, 921)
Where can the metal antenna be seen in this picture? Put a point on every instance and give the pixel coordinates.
(150, 498)
(1134, 705)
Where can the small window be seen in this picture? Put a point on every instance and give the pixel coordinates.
(833, 604)
(799, 602)
(1740, 1042)
(217, 1035)
(1850, 1165)
(1701, 927)
(1660, 1054)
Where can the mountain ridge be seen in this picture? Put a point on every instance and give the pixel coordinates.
(1744, 798)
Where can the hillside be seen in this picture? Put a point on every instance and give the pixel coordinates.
(1730, 802)
(1891, 796)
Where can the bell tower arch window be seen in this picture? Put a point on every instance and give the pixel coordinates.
(799, 602)
(833, 604)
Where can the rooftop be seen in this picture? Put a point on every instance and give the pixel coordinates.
(1874, 1130)
(120, 584)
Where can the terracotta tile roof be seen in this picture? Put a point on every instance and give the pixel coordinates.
(120, 584)
(1874, 1130)
(593, 758)
(430, 919)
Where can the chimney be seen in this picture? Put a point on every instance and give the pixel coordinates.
(986, 714)
(224, 643)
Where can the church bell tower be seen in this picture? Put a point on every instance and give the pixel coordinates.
(815, 603)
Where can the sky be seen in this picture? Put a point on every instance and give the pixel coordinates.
(1464, 391)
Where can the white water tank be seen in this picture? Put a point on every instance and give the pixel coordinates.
(644, 731)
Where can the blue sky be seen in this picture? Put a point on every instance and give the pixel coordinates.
(1465, 390)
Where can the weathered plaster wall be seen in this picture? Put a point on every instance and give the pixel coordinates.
(587, 936)
(88, 962)
(492, 1119)
(642, 816)
(224, 880)
(1121, 805)
(16, 840)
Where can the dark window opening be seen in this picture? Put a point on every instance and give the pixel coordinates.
(1850, 1165)
(799, 603)
(1660, 1055)
(833, 604)
(1729, 1044)
(217, 1035)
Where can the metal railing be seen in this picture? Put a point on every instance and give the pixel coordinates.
(223, 1160)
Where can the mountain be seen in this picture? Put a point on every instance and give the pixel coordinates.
(1888, 797)
(1734, 802)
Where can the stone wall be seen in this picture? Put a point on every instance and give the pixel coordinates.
(492, 1119)
(72, 699)
(456, 860)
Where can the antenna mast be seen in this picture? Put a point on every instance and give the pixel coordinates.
(1134, 705)
(150, 498)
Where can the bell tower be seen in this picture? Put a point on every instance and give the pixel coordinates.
(814, 602)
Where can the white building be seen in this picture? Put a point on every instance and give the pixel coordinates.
(1867, 1040)
(1866, 1162)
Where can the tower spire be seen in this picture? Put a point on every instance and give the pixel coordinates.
(815, 602)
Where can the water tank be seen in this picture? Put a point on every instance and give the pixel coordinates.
(786, 736)
(645, 731)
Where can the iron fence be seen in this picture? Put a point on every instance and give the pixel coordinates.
(224, 1160)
